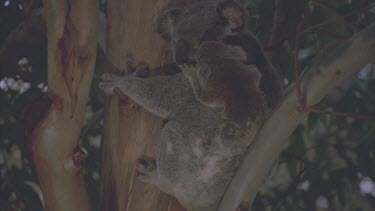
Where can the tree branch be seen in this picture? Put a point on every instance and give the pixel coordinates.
(54, 135)
(329, 70)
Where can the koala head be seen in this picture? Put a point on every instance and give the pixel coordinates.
(207, 20)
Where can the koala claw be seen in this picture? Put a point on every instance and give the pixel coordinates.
(189, 66)
(142, 70)
(210, 145)
(129, 61)
(188, 69)
(109, 83)
(109, 77)
(228, 130)
(143, 177)
(146, 165)
(231, 133)
(146, 169)
(244, 206)
(107, 87)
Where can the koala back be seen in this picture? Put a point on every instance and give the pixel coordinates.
(227, 82)
(187, 26)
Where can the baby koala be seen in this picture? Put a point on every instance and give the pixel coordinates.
(224, 63)
(186, 27)
(220, 79)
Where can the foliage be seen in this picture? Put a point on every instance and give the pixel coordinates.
(328, 164)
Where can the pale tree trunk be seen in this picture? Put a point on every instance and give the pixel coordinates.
(130, 131)
(56, 120)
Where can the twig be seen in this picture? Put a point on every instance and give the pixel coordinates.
(342, 18)
(299, 32)
(354, 12)
(337, 36)
(301, 103)
(341, 114)
(27, 6)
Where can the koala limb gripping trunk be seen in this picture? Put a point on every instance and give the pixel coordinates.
(221, 90)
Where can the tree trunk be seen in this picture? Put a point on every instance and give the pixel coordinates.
(130, 131)
(54, 122)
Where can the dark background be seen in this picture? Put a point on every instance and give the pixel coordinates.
(328, 165)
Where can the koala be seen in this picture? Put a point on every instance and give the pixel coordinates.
(223, 84)
(188, 27)
(220, 79)
(192, 162)
(224, 63)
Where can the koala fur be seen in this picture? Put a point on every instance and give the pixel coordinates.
(220, 79)
(192, 162)
(224, 63)
(226, 84)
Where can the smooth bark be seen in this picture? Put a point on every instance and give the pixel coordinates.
(130, 131)
(54, 134)
(334, 65)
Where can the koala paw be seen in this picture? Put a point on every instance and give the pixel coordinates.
(230, 132)
(188, 69)
(146, 169)
(210, 145)
(109, 83)
(142, 70)
(244, 206)
(236, 53)
(129, 63)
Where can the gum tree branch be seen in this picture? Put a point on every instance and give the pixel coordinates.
(333, 66)
(53, 123)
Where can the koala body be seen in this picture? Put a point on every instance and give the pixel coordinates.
(192, 162)
(226, 85)
(224, 62)
(220, 79)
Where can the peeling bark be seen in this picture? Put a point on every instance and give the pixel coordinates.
(54, 135)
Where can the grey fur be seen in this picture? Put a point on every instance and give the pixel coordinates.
(201, 145)
(189, 26)
(191, 162)
(224, 63)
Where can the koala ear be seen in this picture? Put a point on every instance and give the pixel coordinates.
(233, 13)
(166, 20)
